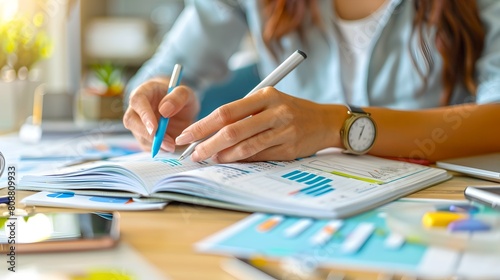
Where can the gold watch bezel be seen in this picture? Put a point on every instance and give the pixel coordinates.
(344, 132)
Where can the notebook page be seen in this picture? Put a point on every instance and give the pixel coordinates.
(313, 182)
(151, 170)
(135, 173)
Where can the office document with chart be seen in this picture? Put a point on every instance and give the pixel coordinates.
(329, 184)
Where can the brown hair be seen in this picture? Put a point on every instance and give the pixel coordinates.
(459, 34)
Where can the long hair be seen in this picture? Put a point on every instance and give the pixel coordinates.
(459, 34)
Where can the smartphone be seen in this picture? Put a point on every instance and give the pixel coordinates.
(52, 232)
(487, 195)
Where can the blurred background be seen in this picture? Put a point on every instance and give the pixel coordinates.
(76, 56)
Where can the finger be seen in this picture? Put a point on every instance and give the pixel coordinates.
(234, 133)
(133, 122)
(144, 143)
(168, 145)
(288, 145)
(175, 101)
(142, 107)
(268, 144)
(278, 152)
(280, 147)
(225, 115)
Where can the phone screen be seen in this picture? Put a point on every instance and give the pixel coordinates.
(59, 231)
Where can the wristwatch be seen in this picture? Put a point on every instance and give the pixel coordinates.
(358, 132)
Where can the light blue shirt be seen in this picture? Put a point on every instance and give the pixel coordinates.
(208, 33)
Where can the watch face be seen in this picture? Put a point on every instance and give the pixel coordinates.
(361, 134)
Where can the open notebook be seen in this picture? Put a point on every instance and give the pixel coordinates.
(327, 185)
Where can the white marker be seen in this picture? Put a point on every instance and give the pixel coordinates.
(297, 228)
(271, 80)
(394, 241)
(357, 238)
(326, 232)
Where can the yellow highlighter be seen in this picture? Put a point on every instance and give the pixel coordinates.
(441, 218)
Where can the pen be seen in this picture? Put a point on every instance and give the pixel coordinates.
(299, 227)
(357, 238)
(162, 125)
(326, 232)
(271, 80)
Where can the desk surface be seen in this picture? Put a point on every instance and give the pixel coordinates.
(166, 237)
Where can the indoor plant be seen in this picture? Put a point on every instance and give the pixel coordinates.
(23, 43)
(102, 97)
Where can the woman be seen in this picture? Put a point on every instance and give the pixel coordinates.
(428, 72)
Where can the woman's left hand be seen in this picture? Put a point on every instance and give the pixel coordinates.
(281, 127)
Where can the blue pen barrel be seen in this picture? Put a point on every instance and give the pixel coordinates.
(163, 123)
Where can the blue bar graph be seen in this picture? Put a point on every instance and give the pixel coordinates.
(170, 161)
(315, 185)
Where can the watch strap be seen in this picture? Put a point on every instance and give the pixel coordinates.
(355, 109)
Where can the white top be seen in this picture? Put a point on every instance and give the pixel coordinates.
(357, 37)
(208, 33)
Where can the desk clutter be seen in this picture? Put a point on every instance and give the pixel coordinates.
(68, 245)
(121, 263)
(313, 213)
(93, 202)
(60, 150)
(330, 184)
(368, 241)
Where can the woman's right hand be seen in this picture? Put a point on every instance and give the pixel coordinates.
(149, 101)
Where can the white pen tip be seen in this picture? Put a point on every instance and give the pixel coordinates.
(181, 158)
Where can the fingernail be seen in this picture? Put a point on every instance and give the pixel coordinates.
(149, 127)
(167, 107)
(184, 138)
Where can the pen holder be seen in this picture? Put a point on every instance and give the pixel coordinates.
(16, 103)
(31, 130)
(91, 106)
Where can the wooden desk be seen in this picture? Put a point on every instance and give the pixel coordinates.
(165, 238)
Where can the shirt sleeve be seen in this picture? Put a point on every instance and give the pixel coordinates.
(488, 65)
(203, 38)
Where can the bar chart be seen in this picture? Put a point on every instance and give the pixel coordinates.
(172, 162)
(314, 185)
